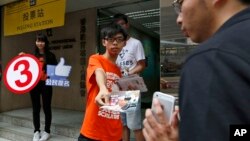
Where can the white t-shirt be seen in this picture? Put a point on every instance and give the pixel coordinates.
(130, 54)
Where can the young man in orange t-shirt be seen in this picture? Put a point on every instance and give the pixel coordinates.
(102, 75)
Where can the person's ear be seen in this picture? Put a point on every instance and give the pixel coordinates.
(124, 43)
(103, 43)
(127, 25)
(218, 2)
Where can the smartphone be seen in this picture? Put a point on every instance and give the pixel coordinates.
(167, 102)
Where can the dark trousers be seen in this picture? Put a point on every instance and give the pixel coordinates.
(46, 92)
(83, 138)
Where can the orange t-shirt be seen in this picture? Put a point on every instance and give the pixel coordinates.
(100, 124)
(41, 63)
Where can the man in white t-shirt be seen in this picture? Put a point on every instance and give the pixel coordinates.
(131, 60)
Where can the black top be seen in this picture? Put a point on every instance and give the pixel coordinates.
(50, 59)
(215, 83)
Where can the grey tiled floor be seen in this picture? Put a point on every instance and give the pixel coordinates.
(60, 116)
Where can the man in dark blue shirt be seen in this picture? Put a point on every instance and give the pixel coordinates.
(215, 79)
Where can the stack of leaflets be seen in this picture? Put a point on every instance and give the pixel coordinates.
(132, 82)
(122, 100)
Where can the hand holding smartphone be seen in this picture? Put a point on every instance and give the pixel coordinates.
(167, 103)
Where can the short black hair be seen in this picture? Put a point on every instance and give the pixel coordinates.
(245, 1)
(111, 30)
(120, 16)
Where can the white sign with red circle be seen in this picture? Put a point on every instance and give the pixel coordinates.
(22, 74)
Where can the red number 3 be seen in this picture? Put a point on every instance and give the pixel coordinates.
(25, 71)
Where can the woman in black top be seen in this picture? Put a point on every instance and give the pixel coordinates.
(45, 57)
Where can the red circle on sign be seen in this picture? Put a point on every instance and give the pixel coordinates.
(30, 72)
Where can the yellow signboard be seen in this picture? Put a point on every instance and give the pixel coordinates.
(31, 15)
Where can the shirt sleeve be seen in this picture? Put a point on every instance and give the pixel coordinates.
(94, 63)
(54, 59)
(140, 55)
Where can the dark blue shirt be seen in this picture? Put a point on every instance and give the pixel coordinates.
(215, 83)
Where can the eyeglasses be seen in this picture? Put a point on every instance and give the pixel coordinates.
(177, 6)
(118, 39)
